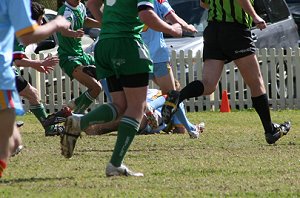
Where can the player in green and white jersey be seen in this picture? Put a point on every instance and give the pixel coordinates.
(122, 58)
(72, 59)
(24, 88)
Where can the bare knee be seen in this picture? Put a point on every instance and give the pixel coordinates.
(121, 108)
(209, 87)
(31, 94)
(136, 110)
(95, 90)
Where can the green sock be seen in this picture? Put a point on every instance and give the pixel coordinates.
(41, 114)
(78, 100)
(104, 113)
(128, 127)
(83, 102)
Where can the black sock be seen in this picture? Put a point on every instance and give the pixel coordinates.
(261, 105)
(193, 89)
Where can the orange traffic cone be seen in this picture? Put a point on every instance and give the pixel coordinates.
(225, 103)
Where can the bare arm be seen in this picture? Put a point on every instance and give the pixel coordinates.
(96, 8)
(248, 8)
(72, 33)
(44, 66)
(91, 23)
(173, 18)
(150, 18)
(44, 31)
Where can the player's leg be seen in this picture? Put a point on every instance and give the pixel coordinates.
(192, 129)
(15, 142)
(88, 97)
(135, 89)
(75, 124)
(10, 106)
(29, 92)
(134, 79)
(212, 70)
(86, 75)
(163, 76)
(7, 117)
(102, 114)
(251, 73)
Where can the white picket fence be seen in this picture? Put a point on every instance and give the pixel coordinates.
(280, 70)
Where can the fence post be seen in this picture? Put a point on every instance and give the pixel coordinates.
(36, 77)
(297, 75)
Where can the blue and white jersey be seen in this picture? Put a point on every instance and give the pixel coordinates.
(155, 40)
(15, 18)
(152, 94)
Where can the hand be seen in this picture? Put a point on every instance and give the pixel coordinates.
(62, 23)
(259, 22)
(44, 69)
(48, 64)
(191, 28)
(78, 33)
(50, 61)
(176, 30)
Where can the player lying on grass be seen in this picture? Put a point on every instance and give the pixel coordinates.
(152, 122)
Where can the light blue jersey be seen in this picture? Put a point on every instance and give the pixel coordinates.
(155, 40)
(15, 18)
(179, 118)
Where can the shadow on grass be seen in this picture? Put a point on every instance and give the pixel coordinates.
(32, 179)
(131, 150)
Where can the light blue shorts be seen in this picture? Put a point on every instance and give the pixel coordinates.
(160, 70)
(9, 99)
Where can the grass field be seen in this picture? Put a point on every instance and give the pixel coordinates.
(231, 159)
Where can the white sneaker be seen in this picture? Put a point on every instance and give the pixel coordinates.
(111, 170)
(69, 138)
(194, 134)
(199, 129)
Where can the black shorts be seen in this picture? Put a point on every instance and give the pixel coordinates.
(227, 41)
(21, 83)
(136, 80)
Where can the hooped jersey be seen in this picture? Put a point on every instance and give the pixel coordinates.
(228, 11)
(18, 54)
(75, 15)
(120, 18)
(19, 51)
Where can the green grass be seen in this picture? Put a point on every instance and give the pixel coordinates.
(231, 159)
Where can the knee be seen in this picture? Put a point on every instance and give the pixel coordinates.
(209, 91)
(95, 89)
(120, 108)
(34, 93)
(209, 88)
(31, 94)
